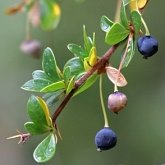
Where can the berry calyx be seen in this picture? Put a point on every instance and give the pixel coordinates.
(105, 139)
(31, 47)
(117, 101)
(147, 46)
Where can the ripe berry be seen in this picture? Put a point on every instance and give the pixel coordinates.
(105, 139)
(117, 101)
(31, 47)
(147, 46)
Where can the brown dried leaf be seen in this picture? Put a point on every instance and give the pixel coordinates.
(14, 10)
(112, 74)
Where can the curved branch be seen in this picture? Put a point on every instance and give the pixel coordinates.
(97, 67)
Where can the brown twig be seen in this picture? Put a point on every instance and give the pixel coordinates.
(101, 63)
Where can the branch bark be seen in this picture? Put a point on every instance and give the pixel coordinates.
(100, 65)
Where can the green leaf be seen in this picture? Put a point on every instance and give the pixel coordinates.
(54, 87)
(123, 16)
(34, 129)
(90, 81)
(36, 112)
(136, 20)
(70, 85)
(49, 65)
(50, 14)
(87, 41)
(77, 50)
(53, 97)
(130, 52)
(36, 85)
(46, 111)
(39, 74)
(46, 149)
(106, 23)
(73, 67)
(116, 34)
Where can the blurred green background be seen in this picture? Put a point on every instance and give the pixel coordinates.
(140, 127)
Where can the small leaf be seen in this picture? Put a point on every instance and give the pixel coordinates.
(34, 129)
(54, 87)
(50, 14)
(36, 85)
(36, 112)
(123, 16)
(46, 149)
(78, 51)
(53, 97)
(91, 60)
(49, 65)
(113, 75)
(116, 34)
(70, 85)
(46, 111)
(39, 74)
(73, 67)
(130, 52)
(105, 23)
(87, 41)
(136, 20)
(89, 82)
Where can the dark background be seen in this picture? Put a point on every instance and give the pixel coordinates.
(140, 127)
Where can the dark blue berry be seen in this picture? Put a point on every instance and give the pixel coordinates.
(105, 139)
(147, 46)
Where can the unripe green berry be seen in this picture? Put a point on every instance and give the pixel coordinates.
(117, 101)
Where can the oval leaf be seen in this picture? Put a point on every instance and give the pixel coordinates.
(123, 16)
(46, 149)
(39, 74)
(105, 23)
(36, 112)
(112, 74)
(116, 34)
(34, 129)
(36, 85)
(136, 20)
(73, 67)
(54, 87)
(78, 51)
(49, 65)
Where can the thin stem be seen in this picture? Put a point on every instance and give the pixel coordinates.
(122, 61)
(28, 32)
(145, 27)
(101, 63)
(118, 7)
(102, 102)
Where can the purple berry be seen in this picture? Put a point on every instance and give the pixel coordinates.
(147, 46)
(117, 101)
(105, 139)
(31, 47)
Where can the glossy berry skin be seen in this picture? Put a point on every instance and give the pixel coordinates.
(105, 139)
(117, 101)
(147, 46)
